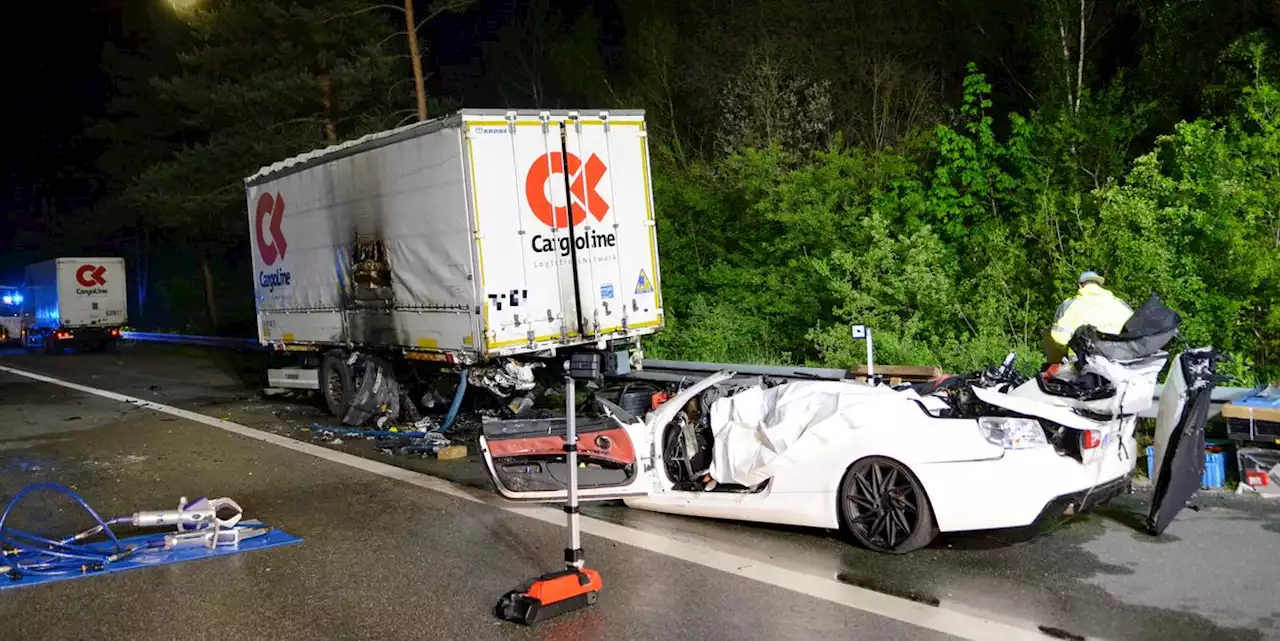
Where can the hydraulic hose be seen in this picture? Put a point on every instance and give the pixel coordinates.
(34, 554)
(457, 402)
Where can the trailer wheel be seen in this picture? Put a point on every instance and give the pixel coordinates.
(52, 345)
(336, 385)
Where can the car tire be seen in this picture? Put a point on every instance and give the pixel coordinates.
(336, 385)
(884, 507)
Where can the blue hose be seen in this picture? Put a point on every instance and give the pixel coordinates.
(457, 402)
(75, 497)
(40, 555)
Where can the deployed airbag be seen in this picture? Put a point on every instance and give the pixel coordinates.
(758, 431)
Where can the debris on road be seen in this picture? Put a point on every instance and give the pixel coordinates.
(506, 378)
(378, 397)
(395, 441)
(451, 452)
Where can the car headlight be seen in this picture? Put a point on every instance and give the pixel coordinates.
(1012, 433)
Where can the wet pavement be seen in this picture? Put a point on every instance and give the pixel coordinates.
(381, 559)
(387, 560)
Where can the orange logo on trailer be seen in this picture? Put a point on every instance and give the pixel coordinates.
(583, 180)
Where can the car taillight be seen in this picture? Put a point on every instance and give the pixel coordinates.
(1089, 439)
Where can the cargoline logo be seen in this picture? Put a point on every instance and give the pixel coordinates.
(91, 278)
(273, 248)
(584, 178)
(90, 275)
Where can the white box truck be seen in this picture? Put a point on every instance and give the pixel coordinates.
(482, 235)
(74, 302)
(10, 314)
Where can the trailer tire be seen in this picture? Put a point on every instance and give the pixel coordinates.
(52, 345)
(336, 385)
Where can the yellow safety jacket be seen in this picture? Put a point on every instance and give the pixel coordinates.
(1093, 305)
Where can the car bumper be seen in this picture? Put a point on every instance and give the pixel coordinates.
(1024, 486)
(1085, 500)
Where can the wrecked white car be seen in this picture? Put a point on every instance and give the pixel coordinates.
(892, 467)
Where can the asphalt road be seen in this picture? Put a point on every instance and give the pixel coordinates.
(384, 559)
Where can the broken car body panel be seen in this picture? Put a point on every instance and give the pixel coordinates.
(1180, 435)
(526, 458)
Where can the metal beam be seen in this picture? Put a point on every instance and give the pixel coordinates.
(663, 371)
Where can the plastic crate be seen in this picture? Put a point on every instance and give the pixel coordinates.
(1215, 467)
(1258, 470)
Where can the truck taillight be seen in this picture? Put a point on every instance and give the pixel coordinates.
(62, 336)
(1090, 439)
(115, 332)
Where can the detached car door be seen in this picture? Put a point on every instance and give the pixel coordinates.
(1179, 438)
(527, 461)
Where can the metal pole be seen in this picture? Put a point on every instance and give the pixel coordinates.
(871, 366)
(571, 444)
(573, 241)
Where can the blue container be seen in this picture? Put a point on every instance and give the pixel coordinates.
(1215, 468)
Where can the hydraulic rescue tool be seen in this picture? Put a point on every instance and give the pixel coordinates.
(574, 587)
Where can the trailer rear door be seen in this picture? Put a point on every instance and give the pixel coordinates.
(537, 180)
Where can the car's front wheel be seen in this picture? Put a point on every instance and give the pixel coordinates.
(884, 507)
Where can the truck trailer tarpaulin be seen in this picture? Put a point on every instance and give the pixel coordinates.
(453, 236)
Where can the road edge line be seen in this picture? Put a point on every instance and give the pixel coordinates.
(934, 618)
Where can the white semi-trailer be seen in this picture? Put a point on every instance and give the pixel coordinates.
(74, 302)
(460, 241)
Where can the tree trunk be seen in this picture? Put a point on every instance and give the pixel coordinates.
(330, 126)
(415, 59)
(1080, 58)
(209, 297)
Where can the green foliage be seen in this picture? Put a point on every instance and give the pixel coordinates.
(1196, 220)
(262, 80)
(958, 250)
(807, 175)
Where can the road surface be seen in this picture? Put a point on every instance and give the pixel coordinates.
(418, 557)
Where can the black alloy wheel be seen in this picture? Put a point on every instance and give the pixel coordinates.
(884, 507)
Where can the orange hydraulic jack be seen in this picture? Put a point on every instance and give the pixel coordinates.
(576, 586)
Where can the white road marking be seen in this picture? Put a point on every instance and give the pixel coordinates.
(961, 624)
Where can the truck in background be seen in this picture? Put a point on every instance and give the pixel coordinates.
(10, 314)
(74, 302)
(488, 240)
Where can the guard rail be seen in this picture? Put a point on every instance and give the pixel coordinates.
(664, 371)
(222, 342)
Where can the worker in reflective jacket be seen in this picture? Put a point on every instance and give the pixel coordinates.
(1092, 305)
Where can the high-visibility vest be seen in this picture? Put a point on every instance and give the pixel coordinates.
(1093, 305)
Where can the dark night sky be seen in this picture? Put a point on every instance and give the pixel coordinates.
(56, 85)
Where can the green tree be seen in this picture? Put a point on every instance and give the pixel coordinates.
(262, 80)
